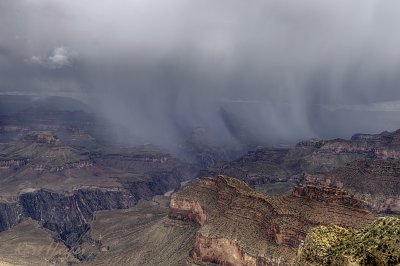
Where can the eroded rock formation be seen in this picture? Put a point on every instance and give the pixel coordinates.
(45, 137)
(377, 182)
(315, 156)
(69, 214)
(61, 186)
(243, 227)
(187, 210)
(13, 163)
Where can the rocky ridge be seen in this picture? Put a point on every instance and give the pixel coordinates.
(43, 179)
(377, 182)
(242, 227)
(269, 165)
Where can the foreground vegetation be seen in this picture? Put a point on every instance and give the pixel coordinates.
(378, 245)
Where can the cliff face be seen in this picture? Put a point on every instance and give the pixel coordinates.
(10, 215)
(187, 210)
(383, 146)
(7, 164)
(255, 228)
(327, 195)
(29, 244)
(141, 235)
(224, 251)
(42, 137)
(377, 182)
(69, 213)
(314, 156)
(61, 187)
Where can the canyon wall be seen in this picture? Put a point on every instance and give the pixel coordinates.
(242, 227)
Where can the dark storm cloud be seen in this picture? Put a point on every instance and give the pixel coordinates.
(3, 51)
(276, 70)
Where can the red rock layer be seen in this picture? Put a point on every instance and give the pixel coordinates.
(377, 182)
(242, 227)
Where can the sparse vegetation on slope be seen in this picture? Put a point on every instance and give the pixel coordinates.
(378, 245)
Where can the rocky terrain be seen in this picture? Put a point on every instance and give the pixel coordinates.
(59, 186)
(141, 235)
(373, 176)
(68, 118)
(29, 244)
(377, 244)
(377, 182)
(214, 220)
(366, 166)
(240, 226)
(271, 165)
(71, 198)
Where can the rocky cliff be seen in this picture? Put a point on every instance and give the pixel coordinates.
(29, 244)
(268, 165)
(68, 213)
(377, 182)
(242, 227)
(384, 146)
(59, 186)
(45, 137)
(6, 164)
(11, 214)
(329, 195)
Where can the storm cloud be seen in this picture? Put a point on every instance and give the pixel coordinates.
(263, 71)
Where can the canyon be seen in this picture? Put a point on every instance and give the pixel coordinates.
(212, 220)
(239, 226)
(92, 202)
(61, 187)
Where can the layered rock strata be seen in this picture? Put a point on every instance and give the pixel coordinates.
(377, 182)
(315, 156)
(61, 187)
(242, 227)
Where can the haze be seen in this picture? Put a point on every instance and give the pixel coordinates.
(264, 71)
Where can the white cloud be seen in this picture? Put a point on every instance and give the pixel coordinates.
(59, 58)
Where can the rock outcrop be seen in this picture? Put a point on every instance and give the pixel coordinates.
(376, 182)
(242, 227)
(383, 146)
(29, 244)
(69, 214)
(45, 137)
(141, 235)
(61, 187)
(329, 195)
(187, 210)
(11, 214)
(315, 156)
(6, 164)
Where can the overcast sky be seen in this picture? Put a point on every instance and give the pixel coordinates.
(282, 70)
